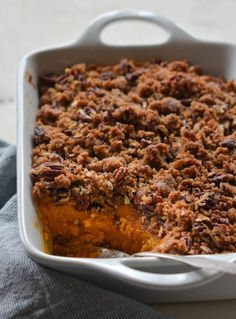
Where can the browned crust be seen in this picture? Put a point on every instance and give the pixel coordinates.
(160, 136)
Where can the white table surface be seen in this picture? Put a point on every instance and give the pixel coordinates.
(26, 25)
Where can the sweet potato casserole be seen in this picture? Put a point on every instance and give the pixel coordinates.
(136, 157)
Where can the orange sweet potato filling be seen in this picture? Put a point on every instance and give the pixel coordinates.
(69, 232)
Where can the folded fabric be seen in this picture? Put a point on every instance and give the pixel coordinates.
(28, 290)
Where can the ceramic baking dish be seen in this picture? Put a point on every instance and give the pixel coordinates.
(147, 279)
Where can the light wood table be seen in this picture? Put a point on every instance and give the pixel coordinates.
(26, 25)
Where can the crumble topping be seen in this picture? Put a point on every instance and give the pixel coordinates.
(159, 136)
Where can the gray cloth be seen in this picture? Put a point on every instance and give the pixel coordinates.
(28, 290)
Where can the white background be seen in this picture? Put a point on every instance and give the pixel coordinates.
(26, 25)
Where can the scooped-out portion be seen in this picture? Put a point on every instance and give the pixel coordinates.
(69, 232)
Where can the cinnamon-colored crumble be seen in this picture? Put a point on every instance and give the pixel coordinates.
(136, 156)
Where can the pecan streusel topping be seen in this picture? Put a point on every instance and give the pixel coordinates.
(158, 136)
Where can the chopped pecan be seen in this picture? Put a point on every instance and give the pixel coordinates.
(39, 135)
(125, 66)
(119, 175)
(134, 75)
(230, 144)
(48, 171)
(107, 75)
(221, 178)
(51, 80)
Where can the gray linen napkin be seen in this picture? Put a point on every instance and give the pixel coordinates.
(28, 290)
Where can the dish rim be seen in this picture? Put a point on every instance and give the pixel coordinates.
(103, 265)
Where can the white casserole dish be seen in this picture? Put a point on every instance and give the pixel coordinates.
(146, 279)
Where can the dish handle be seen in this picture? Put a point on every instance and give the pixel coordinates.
(92, 35)
(125, 270)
